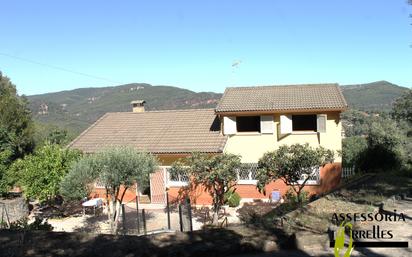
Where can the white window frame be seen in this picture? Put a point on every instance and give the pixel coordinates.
(248, 181)
(311, 181)
(172, 183)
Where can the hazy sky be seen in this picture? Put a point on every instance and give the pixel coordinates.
(193, 44)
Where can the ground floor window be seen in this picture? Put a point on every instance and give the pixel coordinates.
(176, 179)
(314, 177)
(246, 174)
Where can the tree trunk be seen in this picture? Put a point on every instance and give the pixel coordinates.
(215, 221)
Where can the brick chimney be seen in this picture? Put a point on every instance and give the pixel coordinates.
(138, 105)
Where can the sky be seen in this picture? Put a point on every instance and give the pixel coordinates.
(49, 46)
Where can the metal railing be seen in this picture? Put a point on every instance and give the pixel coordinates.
(348, 172)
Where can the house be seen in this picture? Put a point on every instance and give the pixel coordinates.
(247, 121)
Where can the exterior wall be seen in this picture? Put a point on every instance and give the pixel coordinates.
(330, 177)
(128, 196)
(251, 146)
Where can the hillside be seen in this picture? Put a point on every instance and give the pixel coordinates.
(76, 109)
(375, 96)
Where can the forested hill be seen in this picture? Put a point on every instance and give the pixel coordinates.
(375, 96)
(76, 109)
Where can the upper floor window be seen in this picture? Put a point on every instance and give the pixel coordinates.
(248, 124)
(304, 123)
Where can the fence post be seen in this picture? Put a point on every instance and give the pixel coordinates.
(137, 211)
(189, 211)
(144, 221)
(168, 210)
(123, 219)
(180, 217)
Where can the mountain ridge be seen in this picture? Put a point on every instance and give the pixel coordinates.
(76, 109)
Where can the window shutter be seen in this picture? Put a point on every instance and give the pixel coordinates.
(321, 123)
(266, 124)
(285, 124)
(229, 125)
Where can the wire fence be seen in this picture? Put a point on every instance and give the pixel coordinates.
(138, 219)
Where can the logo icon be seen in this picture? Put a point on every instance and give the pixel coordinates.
(340, 240)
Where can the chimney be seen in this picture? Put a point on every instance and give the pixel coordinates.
(138, 105)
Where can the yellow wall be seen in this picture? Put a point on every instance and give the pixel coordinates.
(168, 159)
(251, 146)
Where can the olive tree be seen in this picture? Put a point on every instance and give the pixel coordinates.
(78, 183)
(216, 173)
(117, 169)
(290, 164)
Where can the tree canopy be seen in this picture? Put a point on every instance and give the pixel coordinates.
(16, 128)
(216, 173)
(40, 174)
(402, 108)
(291, 164)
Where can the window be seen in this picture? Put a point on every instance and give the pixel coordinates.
(176, 179)
(314, 178)
(304, 123)
(247, 173)
(179, 178)
(248, 123)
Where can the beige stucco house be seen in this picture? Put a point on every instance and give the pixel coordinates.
(248, 121)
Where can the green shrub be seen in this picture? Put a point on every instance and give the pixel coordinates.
(77, 184)
(41, 173)
(352, 149)
(232, 199)
(385, 149)
(293, 198)
(37, 224)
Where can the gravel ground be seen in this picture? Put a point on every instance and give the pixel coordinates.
(156, 220)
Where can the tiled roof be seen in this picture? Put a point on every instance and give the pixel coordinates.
(177, 131)
(282, 98)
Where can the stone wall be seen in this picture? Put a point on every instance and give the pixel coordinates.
(16, 208)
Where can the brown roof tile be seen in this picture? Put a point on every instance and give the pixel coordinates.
(177, 131)
(282, 98)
